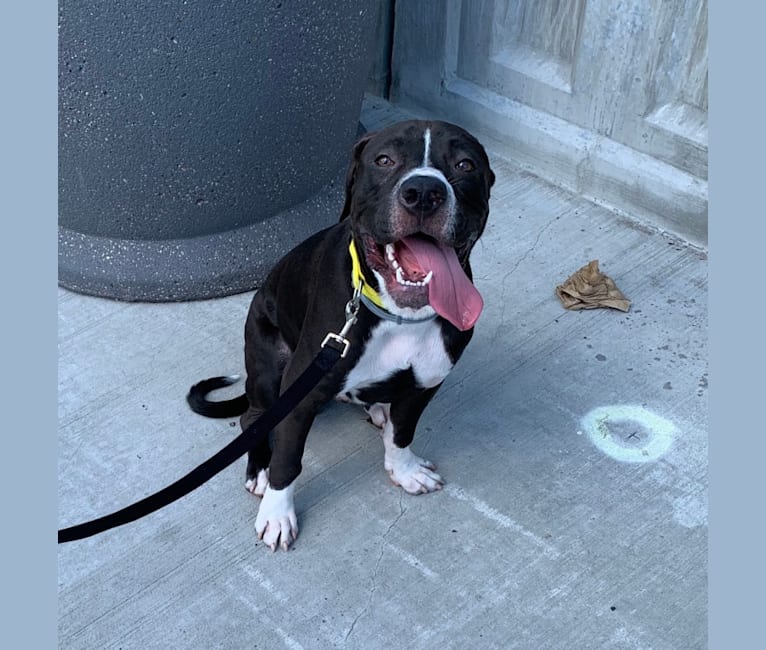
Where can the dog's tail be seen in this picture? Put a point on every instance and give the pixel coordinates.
(197, 398)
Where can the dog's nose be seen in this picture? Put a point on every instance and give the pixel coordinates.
(422, 195)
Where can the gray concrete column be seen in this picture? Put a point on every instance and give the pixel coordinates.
(199, 141)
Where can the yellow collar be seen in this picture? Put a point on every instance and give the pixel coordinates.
(357, 277)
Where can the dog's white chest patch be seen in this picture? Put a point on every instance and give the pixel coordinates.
(393, 347)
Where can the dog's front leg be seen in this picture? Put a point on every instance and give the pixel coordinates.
(276, 523)
(406, 469)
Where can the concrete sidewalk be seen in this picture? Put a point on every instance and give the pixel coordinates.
(574, 446)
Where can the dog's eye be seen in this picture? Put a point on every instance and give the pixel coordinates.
(384, 161)
(465, 165)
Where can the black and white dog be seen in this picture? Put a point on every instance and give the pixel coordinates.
(417, 200)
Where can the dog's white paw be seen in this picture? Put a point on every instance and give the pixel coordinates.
(276, 523)
(378, 414)
(412, 473)
(258, 485)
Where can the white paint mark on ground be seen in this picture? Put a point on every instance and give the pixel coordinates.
(251, 605)
(267, 585)
(690, 511)
(628, 639)
(412, 561)
(683, 488)
(289, 642)
(629, 433)
(502, 520)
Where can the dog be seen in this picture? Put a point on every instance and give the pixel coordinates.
(416, 202)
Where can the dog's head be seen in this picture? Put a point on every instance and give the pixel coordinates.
(415, 191)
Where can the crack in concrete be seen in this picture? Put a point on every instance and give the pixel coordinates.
(375, 569)
(501, 326)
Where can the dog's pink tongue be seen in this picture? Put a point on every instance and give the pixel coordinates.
(450, 292)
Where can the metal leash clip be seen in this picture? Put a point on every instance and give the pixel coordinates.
(339, 341)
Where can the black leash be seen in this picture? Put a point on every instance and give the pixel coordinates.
(334, 347)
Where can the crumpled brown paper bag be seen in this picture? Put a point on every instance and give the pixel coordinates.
(589, 288)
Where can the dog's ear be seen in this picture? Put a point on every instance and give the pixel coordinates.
(490, 174)
(353, 172)
(491, 179)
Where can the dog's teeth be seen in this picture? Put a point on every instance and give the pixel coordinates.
(409, 283)
(391, 257)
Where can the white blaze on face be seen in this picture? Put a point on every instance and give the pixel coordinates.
(427, 169)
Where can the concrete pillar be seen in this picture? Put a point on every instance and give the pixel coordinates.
(200, 141)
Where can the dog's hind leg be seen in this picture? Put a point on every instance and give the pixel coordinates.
(378, 414)
(258, 458)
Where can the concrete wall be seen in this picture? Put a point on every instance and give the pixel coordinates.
(606, 98)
